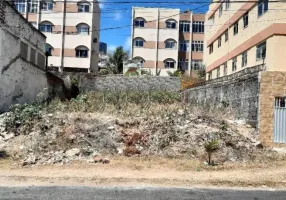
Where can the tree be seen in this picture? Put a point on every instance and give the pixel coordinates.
(118, 57)
(202, 73)
(114, 64)
(210, 148)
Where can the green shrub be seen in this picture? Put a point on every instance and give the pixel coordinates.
(22, 114)
(210, 148)
(223, 125)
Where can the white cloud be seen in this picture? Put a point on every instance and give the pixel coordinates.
(127, 43)
(117, 16)
(111, 47)
(101, 5)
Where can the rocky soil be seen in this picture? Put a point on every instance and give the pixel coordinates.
(167, 131)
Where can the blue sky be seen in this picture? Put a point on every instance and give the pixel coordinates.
(114, 15)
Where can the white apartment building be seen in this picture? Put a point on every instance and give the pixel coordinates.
(166, 39)
(71, 28)
(244, 34)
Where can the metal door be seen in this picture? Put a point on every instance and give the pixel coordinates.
(280, 120)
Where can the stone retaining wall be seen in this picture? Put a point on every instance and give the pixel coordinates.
(91, 82)
(239, 92)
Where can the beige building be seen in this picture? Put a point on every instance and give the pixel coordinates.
(71, 28)
(244, 34)
(167, 40)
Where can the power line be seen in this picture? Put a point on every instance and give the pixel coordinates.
(156, 2)
(126, 26)
(234, 11)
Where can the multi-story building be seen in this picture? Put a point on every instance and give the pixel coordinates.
(244, 34)
(103, 57)
(167, 40)
(103, 48)
(71, 28)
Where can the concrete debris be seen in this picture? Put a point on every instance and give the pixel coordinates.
(60, 138)
(73, 152)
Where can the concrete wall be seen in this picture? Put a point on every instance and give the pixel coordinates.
(22, 78)
(22, 82)
(239, 92)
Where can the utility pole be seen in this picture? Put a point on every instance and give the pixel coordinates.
(157, 42)
(63, 37)
(27, 9)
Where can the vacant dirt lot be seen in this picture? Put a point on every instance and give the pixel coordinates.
(154, 171)
(162, 143)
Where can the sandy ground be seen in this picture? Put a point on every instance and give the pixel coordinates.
(147, 172)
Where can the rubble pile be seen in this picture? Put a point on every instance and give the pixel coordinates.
(65, 137)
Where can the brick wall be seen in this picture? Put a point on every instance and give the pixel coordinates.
(272, 84)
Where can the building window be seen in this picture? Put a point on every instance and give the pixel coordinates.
(49, 49)
(226, 36)
(20, 5)
(33, 6)
(171, 24)
(184, 26)
(81, 52)
(227, 4)
(184, 45)
(262, 7)
(261, 51)
(211, 48)
(170, 44)
(41, 61)
(198, 27)
(83, 7)
(243, 59)
(225, 69)
(23, 50)
(183, 64)
(245, 20)
(235, 28)
(220, 10)
(47, 5)
(198, 46)
(139, 22)
(46, 27)
(196, 64)
(139, 42)
(219, 42)
(234, 62)
(33, 56)
(218, 72)
(138, 59)
(169, 63)
(82, 29)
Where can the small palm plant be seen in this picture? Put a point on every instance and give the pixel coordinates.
(210, 148)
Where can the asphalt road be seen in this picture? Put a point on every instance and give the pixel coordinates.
(88, 193)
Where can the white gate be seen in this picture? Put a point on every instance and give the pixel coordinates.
(280, 120)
